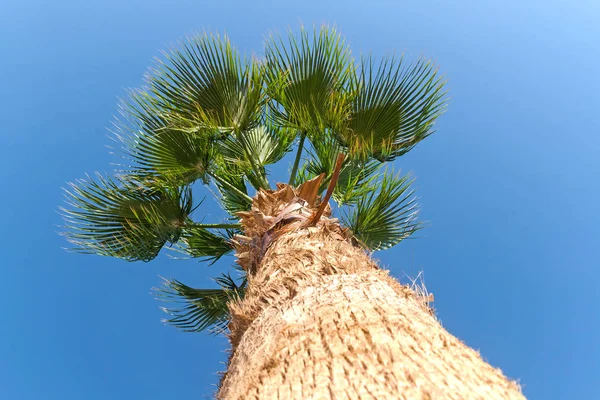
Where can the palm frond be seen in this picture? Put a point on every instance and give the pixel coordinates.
(197, 309)
(253, 150)
(386, 214)
(124, 218)
(355, 180)
(395, 107)
(202, 92)
(201, 243)
(156, 145)
(207, 82)
(231, 185)
(307, 78)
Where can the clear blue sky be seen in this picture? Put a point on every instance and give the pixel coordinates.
(509, 183)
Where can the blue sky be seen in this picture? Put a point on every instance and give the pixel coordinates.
(509, 184)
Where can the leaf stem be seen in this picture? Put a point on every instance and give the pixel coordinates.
(297, 160)
(230, 186)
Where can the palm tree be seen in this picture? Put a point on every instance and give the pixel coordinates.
(310, 314)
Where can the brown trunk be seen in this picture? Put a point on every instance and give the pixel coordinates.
(321, 320)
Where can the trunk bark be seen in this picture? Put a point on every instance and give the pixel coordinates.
(320, 320)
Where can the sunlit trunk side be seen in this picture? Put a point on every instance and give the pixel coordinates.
(321, 320)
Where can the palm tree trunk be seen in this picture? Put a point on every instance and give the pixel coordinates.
(321, 320)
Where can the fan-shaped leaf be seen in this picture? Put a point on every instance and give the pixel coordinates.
(307, 78)
(154, 145)
(206, 82)
(394, 108)
(386, 214)
(199, 309)
(200, 93)
(208, 246)
(124, 218)
(251, 151)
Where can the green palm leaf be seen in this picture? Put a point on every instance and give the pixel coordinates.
(207, 83)
(124, 218)
(201, 243)
(307, 79)
(199, 309)
(386, 214)
(231, 185)
(199, 94)
(155, 145)
(394, 108)
(253, 150)
(354, 181)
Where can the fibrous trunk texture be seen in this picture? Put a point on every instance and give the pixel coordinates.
(320, 320)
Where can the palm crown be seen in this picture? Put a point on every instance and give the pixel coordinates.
(212, 116)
